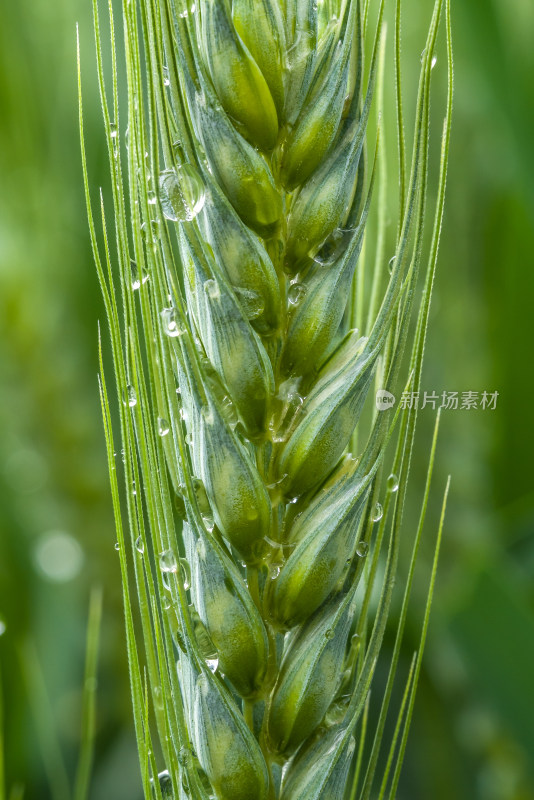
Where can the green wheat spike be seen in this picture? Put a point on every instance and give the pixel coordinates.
(245, 223)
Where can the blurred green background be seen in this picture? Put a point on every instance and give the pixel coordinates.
(473, 733)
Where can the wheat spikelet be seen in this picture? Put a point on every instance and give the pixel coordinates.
(252, 502)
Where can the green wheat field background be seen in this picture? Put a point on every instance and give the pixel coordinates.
(473, 730)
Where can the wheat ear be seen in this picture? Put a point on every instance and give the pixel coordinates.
(253, 467)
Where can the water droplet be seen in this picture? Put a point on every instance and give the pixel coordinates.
(293, 501)
(391, 263)
(150, 231)
(392, 483)
(433, 62)
(362, 549)
(171, 322)
(114, 140)
(288, 405)
(137, 279)
(117, 546)
(333, 248)
(378, 512)
(165, 785)
(166, 78)
(186, 573)
(151, 198)
(3, 626)
(295, 293)
(302, 45)
(179, 504)
(209, 522)
(134, 490)
(136, 282)
(166, 582)
(129, 397)
(213, 664)
(229, 411)
(212, 289)
(182, 193)
(330, 633)
(180, 641)
(251, 302)
(158, 697)
(140, 545)
(337, 711)
(166, 603)
(185, 757)
(163, 426)
(280, 483)
(274, 570)
(186, 13)
(208, 415)
(167, 561)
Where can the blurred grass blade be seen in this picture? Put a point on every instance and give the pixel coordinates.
(58, 779)
(89, 694)
(3, 787)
